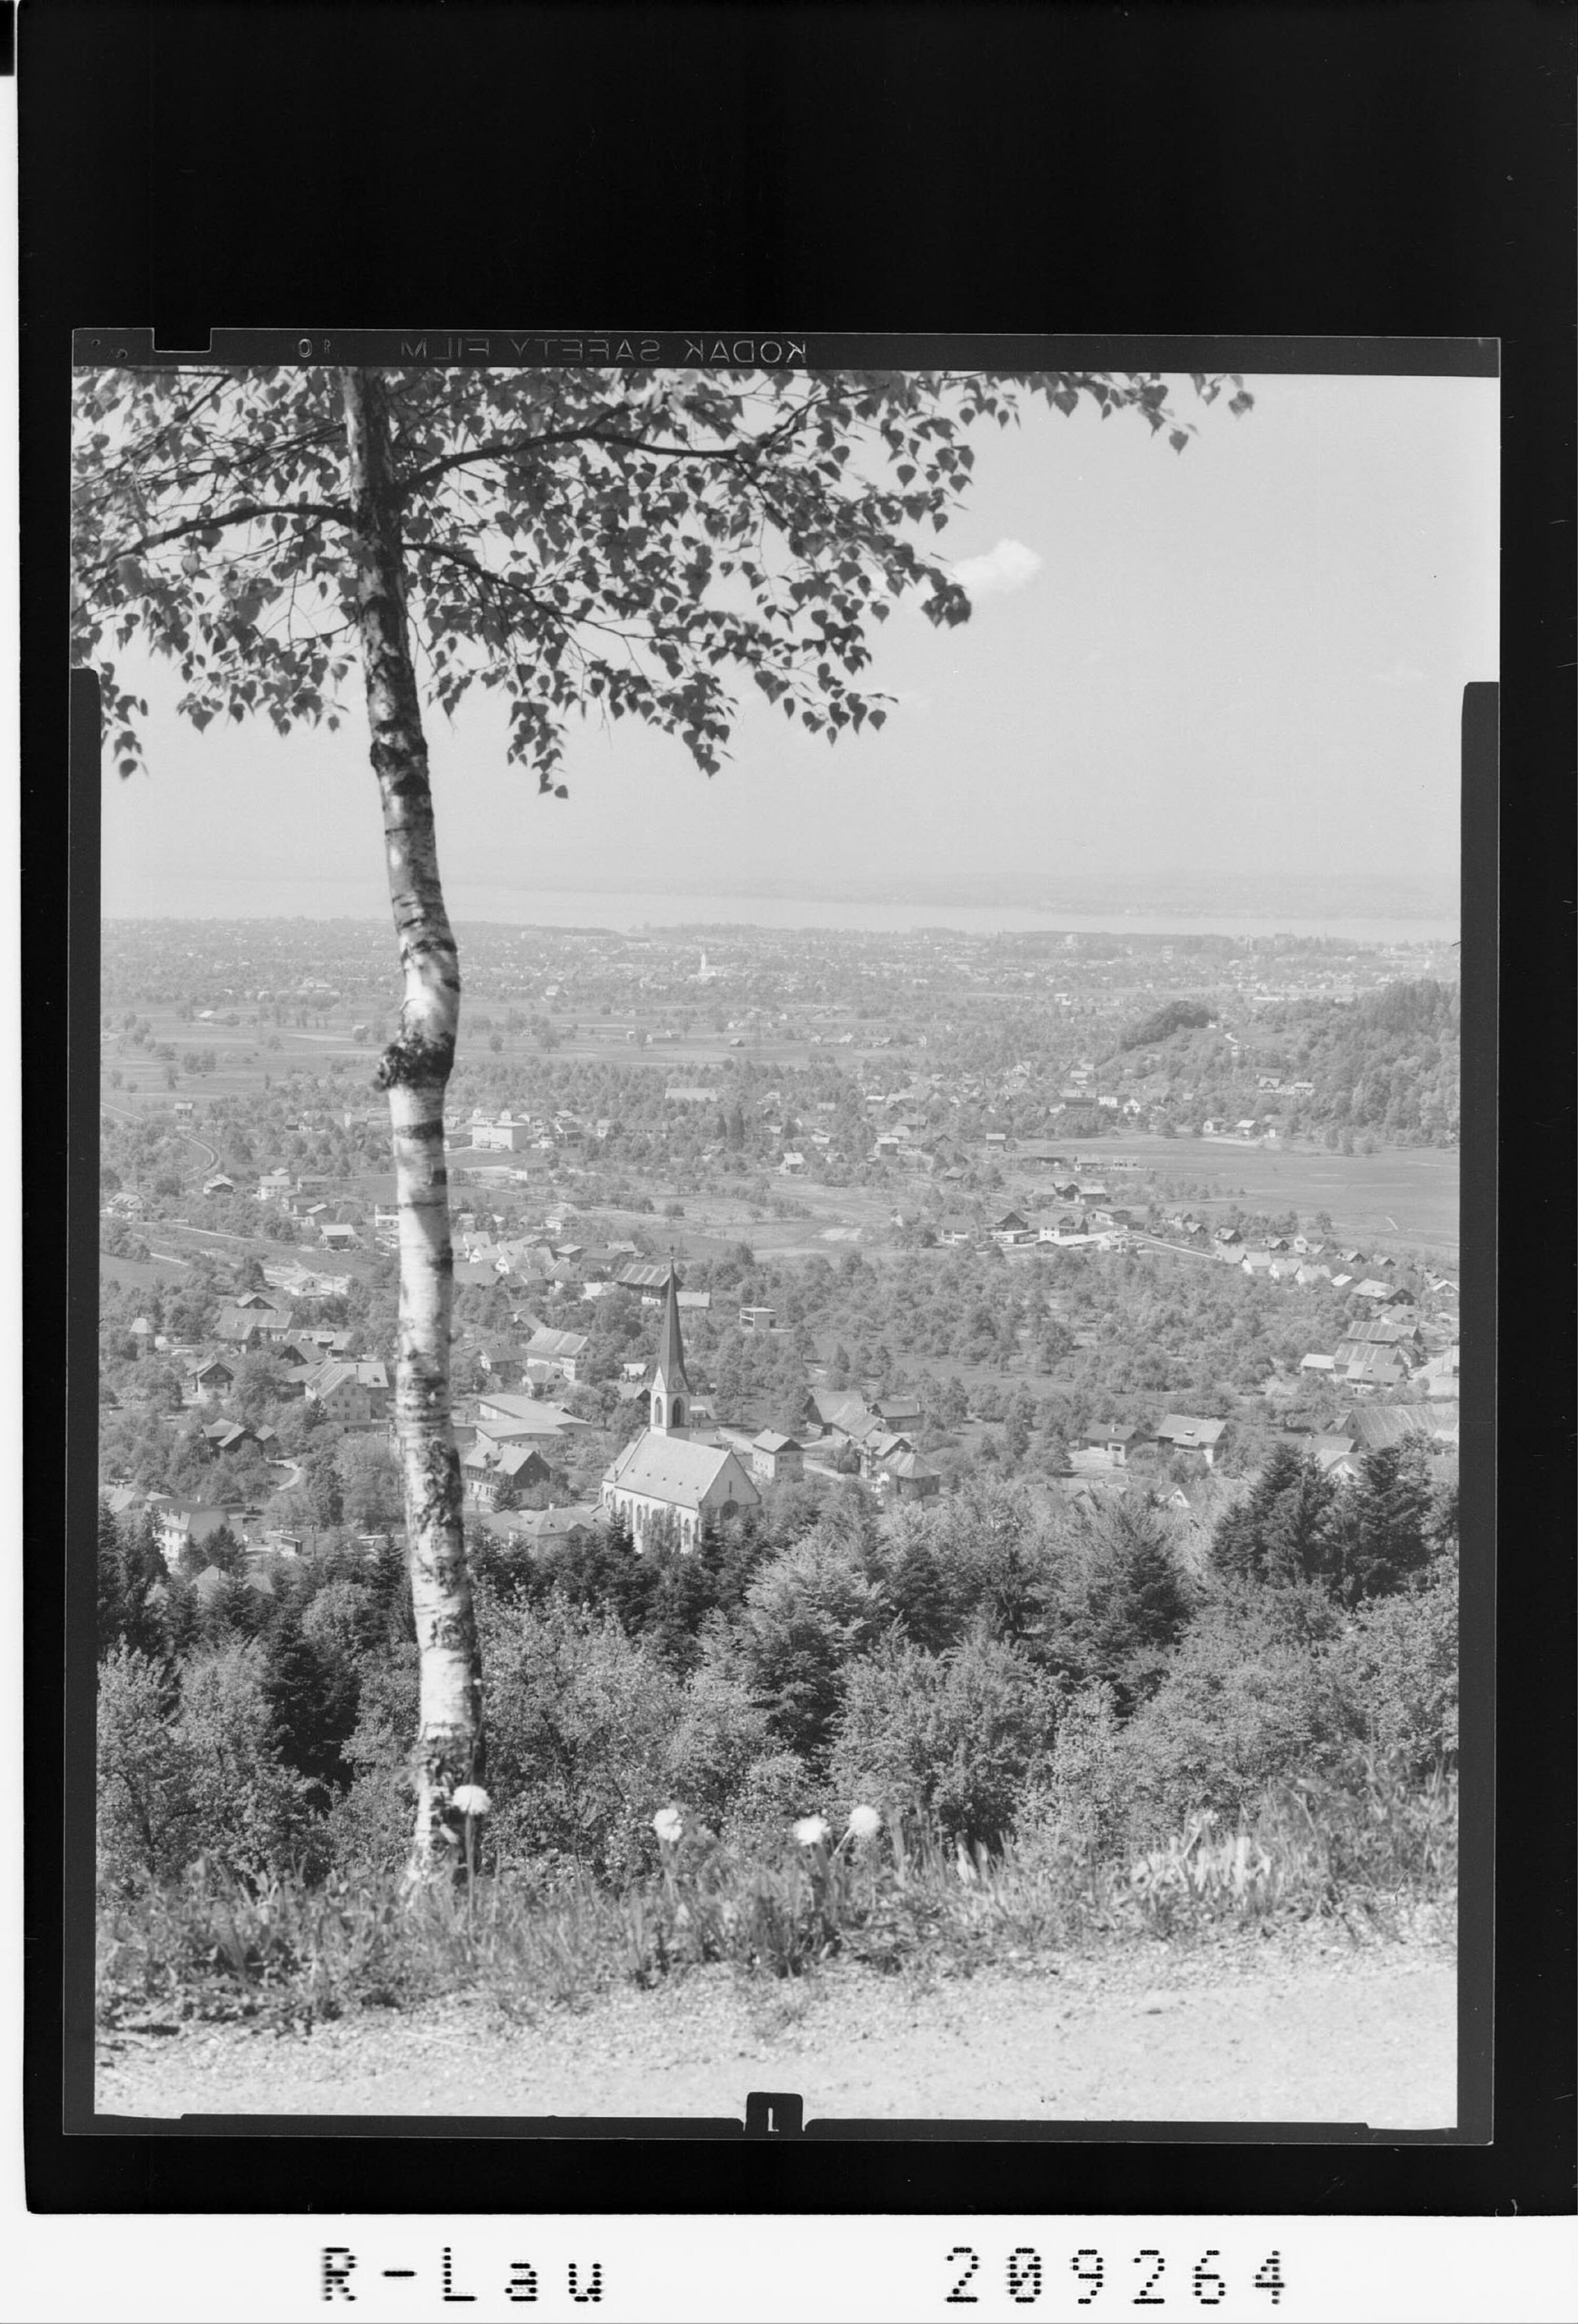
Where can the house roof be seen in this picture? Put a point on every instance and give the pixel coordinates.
(841, 1407)
(524, 1416)
(199, 1523)
(1180, 1428)
(1375, 1426)
(677, 1469)
(886, 1444)
(325, 1378)
(224, 1434)
(773, 1440)
(487, 1454)
(546, 1345)
(908, 1463)
(543, 1527)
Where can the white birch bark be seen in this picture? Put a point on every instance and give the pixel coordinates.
(415, 1071)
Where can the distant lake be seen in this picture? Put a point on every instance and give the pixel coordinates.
(328, 900)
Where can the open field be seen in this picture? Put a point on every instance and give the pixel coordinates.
(138, 1274)
(1403, 1196)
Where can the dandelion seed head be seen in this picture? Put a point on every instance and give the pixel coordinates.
(864, 1823)
(470, 1799)
(809, 1829)
(668, 1824)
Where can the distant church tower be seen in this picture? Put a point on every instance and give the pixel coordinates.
(671, 1388)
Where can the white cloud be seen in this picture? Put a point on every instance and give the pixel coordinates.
(1009, 565)
(1402, 673)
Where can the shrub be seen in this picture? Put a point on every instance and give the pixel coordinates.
(949, 1738)
(1088, 1791)
(806, 1616)
(1396, 1675)
(250, 1812)
(1244, 1703)
(721, 1734)
(147, 1813)
(369, 1827)
(1119, 1603)
(580, 1718)
(772, 1791)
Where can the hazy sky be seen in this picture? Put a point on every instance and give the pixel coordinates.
(1247, 660)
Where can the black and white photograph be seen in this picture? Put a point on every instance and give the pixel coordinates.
(780, 1097)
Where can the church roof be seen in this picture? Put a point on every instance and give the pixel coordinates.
(675, 1468)
(671, 1363)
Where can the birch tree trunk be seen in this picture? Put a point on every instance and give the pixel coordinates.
(415, 1071)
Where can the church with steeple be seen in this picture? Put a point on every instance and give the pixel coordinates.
(667, 1481)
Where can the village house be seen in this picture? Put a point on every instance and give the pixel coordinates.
(355, 1394)
(508, 1135)
(229, 1435)
(501, 1359)
(523, 1417)
(1180, 1431)
(904, 1476)
(1113, 1438)
(900, 1410)
(1012, 1229)
(1439, 1377)
(551, 1528)
(559, 1351)
(775, 1457)
(757, 1319)
(488, 1467)
(188, 1529)
(844, 1415)
(1372, 1368)
(212, 1381)
(1377, 1427)
(664, 1479)
(879, 1445)
(649, 1281)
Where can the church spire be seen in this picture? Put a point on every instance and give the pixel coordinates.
(671, 1388)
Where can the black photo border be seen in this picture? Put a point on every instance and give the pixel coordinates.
(104, 232)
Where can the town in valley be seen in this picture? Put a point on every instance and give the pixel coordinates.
(743, 1212)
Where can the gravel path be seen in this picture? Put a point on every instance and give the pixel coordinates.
(1316, 2033)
